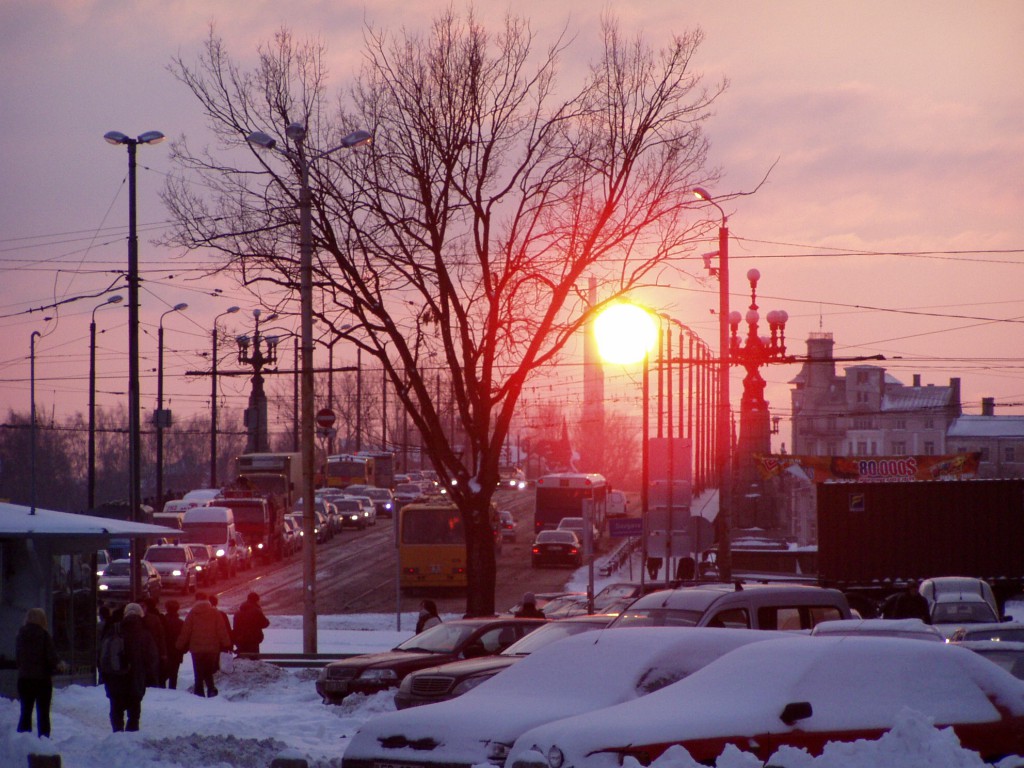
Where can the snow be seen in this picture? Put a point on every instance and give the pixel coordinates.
(264, 712)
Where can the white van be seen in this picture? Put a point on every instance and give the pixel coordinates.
(214, 526)
(618, 504)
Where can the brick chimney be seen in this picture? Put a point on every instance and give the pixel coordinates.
(988, 406)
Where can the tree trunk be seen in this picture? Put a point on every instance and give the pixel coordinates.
(480, 561)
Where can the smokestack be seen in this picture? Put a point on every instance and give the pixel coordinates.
(988, 406)
(917, 379)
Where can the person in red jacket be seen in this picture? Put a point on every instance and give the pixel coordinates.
(204, 635)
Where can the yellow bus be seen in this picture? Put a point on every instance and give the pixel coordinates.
(431, 547)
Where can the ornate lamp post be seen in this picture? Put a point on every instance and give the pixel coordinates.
(258, 351)
(752, 352)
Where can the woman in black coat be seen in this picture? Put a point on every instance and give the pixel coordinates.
(250, 622)
(37, 661)
(127, 690)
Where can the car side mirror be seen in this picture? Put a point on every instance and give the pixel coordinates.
(795, 711)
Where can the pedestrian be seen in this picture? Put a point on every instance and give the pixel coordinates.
(912, 605)
(428, 616)
(223, 662)
(529, 609)
(172, 630)
(138, 667)
(204, 635)
(37, 661)
(250, 622)
(154, 622)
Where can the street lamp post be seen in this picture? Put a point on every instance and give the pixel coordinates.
(264, 352)
(134, 431)
(32, 404)
(213, 399)
(162, 418)
(92, 399)
(297, 133)
(722, 431)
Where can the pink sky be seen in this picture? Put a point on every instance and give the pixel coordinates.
(892, 219)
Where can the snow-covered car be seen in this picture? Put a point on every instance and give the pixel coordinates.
(479, 727)
(796, 692)
(911, 629)
(996, 632)
(434, 684)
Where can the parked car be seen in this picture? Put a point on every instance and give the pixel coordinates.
(911, 629)
(577, 674)
(1007, 654)
(115, 585)
(176, 564)
(102, 561)
(619, 594)
(950, 612)
(292, 535)
(553, 547)
(208, 572)
(796, 692)
(452, 640)
(434, 684)
(507, 522)
(946, 589)
(754, 606)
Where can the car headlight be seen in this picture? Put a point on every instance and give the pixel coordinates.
(221, 553)
(176, 572)
(555, 757)
(378, 675)
(470, 683)
(387, 505)
(103, 587)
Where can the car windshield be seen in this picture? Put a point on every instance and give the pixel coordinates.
(165, 556)
(549, 633)
(408, 488)
(958, 613)
(347, 505)
(442, 638)
(377, 493)
(572, 523)
(1011, 634)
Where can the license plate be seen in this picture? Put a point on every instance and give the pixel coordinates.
(336, 686)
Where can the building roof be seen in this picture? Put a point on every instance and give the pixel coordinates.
(986, 426)
(917, 398)
(17, 521)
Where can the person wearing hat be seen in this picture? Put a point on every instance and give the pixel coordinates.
(204, 635)
(529, 609)
(249, 625)
(126, 690)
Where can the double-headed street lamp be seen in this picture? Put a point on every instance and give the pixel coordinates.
(92, 398)
(722, 439)
(263, 353)
(134, 398)
(162, 418)
(213, 399)
(297, 133)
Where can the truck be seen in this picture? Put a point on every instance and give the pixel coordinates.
(276, 475)
(875, 537)
(260, 521)
(383, 467)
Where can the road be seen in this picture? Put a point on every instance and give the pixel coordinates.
(356, 572)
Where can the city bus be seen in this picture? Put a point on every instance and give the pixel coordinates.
(346, 469)
(431, 547)
(569, 494)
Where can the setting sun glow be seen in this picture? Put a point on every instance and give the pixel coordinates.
(625, 333)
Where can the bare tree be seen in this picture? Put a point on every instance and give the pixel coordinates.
(463, 238)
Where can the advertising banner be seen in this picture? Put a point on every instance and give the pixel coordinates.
(820, 469)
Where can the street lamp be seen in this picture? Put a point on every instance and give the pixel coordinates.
(626, 333)
(264, 352)
(92, 398)
(162, 418)
(134, 432)
(213, 399)
(297, 133)
(722, 438)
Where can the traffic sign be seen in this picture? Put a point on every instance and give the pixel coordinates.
(624, 527)
(325, 418)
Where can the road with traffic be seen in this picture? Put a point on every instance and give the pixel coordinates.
(356, 572)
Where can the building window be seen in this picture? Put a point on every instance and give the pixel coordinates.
(1008, 454)
(862, 422)
(929, 448)
(862, 448)
(899, 447)
(862, 377)
(929, 423)
(901, 423)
